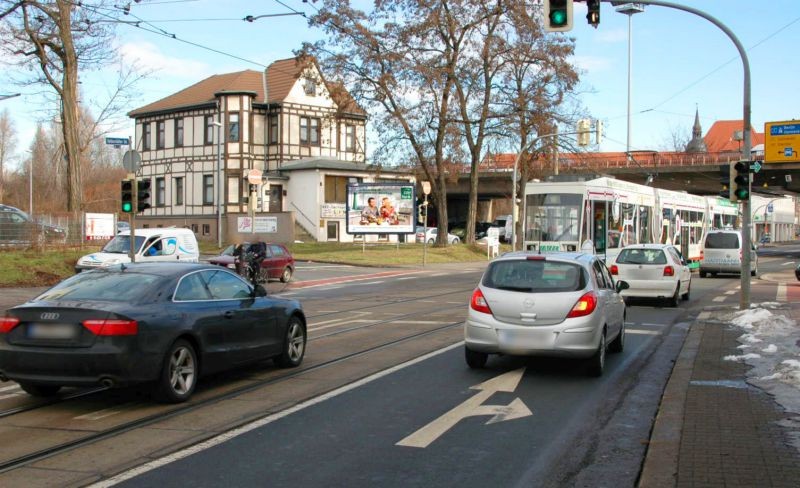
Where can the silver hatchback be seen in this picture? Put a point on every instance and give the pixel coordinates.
(560, 304)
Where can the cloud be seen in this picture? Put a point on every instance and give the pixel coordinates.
(592, 64)
(149, 57)
(611, 36)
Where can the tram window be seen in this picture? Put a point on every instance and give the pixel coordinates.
(645, 219)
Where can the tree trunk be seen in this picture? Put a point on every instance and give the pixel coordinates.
(69, 111)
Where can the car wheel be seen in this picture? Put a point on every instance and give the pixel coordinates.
(475, 359)
(676, 298)
(702, 274)
(597, 363)
(755, 271)
(286, 275)
(39, 390)
(294, 344)
(430, 241)
(685, 296)
(618, 344)
(178, 376)
(456, 241)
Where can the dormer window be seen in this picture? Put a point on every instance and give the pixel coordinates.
(310, 87)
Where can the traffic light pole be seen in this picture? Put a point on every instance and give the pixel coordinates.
(747, 238)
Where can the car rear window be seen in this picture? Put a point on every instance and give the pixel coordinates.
(536, 276)
(102, 285)
(641, 256)
(722, 240)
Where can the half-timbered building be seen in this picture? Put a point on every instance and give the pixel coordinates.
(200, 146)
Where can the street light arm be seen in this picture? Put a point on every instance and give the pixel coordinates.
(251, 18)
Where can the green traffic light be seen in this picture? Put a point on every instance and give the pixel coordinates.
(558, 18)
(742, 194)
(127, 207)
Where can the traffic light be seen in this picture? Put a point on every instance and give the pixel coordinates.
(584, 125)
(593, 15)
(142, 195)
(558, 15)
(127, 196)
(741, 182)
(726, 180)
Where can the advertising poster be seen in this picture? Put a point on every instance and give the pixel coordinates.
(99, 226)
(380, 208)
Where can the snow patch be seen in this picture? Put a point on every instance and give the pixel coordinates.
(772, 348)
(743, 357)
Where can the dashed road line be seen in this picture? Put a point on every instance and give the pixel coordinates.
(719, 299)
(731, 292)
(780, 296)
(642, 332)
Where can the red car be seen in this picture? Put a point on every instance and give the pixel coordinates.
(278, 265)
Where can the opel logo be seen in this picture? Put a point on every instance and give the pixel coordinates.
(528, 303)
(49, 316)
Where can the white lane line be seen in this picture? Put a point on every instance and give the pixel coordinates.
(262, 422)
(429, 301)
(108, 412)
(343, 322)
(422, 322)
(787, 263)
(371, 283)
(408, 278)
(345, 319)
(649, 324)
(703, 315)
(642, 332)
(437, 274)
(719, 299)
(326, 266)
(731, 292)
(781, 295)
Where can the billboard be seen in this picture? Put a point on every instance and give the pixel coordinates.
(380, 208)
(99, 226)
(782, 142)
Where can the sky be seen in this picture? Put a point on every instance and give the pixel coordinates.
(680, 63)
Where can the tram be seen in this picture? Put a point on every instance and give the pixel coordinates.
(603, 215)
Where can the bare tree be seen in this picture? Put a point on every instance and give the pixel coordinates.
(8, 143)
(52, 41)
(676, 139)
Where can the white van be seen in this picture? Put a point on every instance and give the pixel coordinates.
(722, 253)
(162, 244)
(503, 222)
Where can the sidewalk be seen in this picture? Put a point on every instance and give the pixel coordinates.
(715, 427)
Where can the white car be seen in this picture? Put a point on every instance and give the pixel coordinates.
(653, 271)
(429, 235)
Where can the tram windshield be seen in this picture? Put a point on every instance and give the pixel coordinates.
(553, 217)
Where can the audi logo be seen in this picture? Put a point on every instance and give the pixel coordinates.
(49, 316)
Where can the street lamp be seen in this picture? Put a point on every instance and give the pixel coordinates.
(219, 181)
(629, 9)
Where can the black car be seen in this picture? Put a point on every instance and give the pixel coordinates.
(166, 323)
(17, 227)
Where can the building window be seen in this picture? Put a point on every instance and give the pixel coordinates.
(208, 189)
(350, 138)
(336, 189)
(209, 130)
(273, 129)
(194, 228)
(179, 132)
(179, 190)
(161, 191)
(161, 135)
(146, 136)
(233, 189)
(233, 128)
(206, 229)
(309, 131)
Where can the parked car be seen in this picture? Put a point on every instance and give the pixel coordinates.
(166, 323)
(277, 265)
(459, 229)
(503, 222)
(559, 304)
(17, 227)
(123, 226)
(766, 238)
(430, 234)
(722, 253)
(653, 271)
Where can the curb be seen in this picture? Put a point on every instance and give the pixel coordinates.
(660, 466)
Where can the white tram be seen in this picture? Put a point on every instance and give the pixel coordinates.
(606, 214)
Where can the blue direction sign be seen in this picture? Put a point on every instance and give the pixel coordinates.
(769, 208)
(118, 141)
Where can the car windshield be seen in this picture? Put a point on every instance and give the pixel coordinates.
(641, 256)
(536, 276)
(722, 240)
(228, 251)
(122, 244)
(103, 285)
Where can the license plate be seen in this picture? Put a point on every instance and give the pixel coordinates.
(51, 331)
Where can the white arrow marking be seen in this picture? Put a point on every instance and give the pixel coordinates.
(472, 407)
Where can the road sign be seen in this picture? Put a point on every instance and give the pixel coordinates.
(131, 160)
(769, 208)
(473, 407)
(118, 141)
(254, 176)
(782, 142)
(755, 167)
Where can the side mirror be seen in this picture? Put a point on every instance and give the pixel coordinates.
(622, 285)
(259, 291)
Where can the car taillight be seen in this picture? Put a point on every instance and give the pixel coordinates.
(614, 269)
(112, 327)
(669, 271)
(585, 305)
(7, 324)
(478, 302)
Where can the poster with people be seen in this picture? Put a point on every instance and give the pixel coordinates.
(380, 208)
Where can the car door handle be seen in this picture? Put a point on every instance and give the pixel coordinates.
(228, 314)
